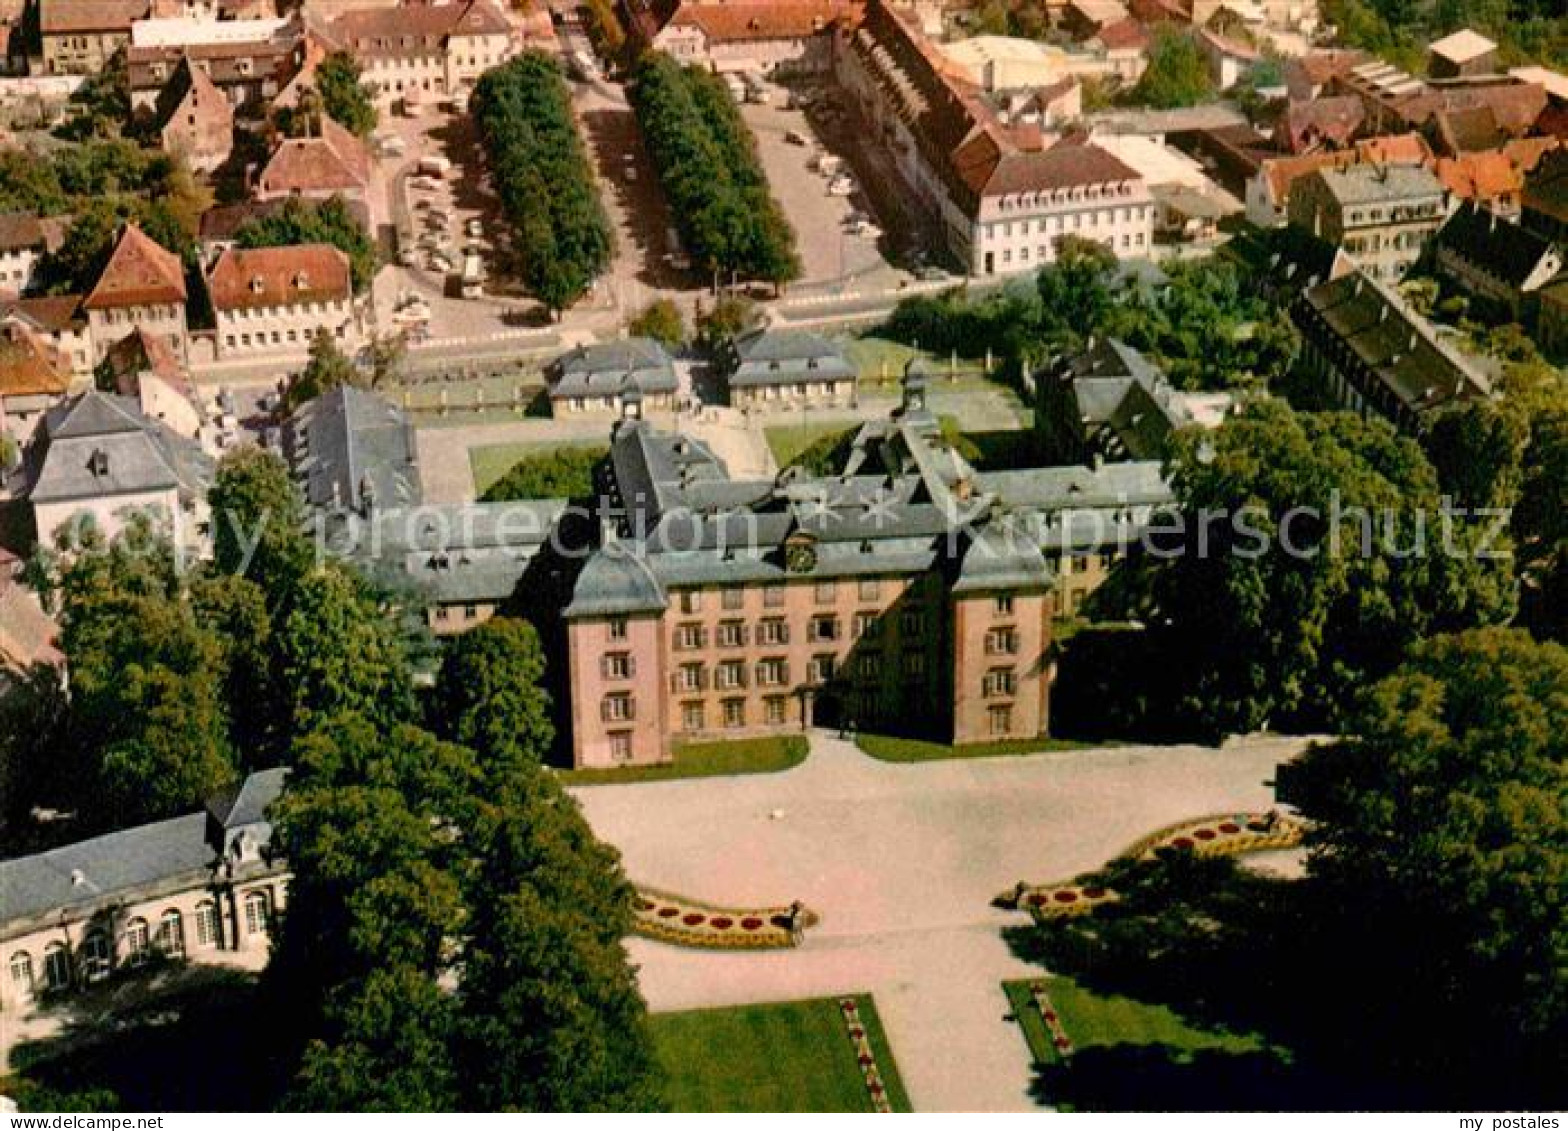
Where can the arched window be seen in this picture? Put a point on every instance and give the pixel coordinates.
(57, 966)
(136, 940)
(258, 912)
(22, 972)
(96, 956)
(171, 934)
(206, 923)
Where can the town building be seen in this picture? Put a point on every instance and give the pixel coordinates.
(97, 458)
(33, 378)
(898, 594)
(204, 887)
(22, 242)
(142, 286)
(1494, 178)
(1268, 188)
(431, 49)
(193, 118)
(351, 452)
(1230, 60)
(333, 163)
(271, 301)
(1497, 260)
(1545, 197)
(999, 196)
(249, 61)
(1381, 215)
(1376, 356)
(58, 320)
(769, 367)
(749, 35)
(1319, 124)
(143, 368)
(220, 226)
(597, 378)
(78, 37)
(1464, 54)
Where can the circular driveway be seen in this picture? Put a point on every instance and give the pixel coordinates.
(901, 862)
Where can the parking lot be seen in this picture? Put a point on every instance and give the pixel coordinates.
(836, 227)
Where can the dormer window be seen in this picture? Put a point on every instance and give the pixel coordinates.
(98, 463)
(301, 280)
(257, 284)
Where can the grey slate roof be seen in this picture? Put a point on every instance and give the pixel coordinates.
(1498, 246)
(616, 580)
(613, 368)
(1379, 184)
(245, 803)
(780, 357)
(100, 445)
(461, 552)
(347, 441)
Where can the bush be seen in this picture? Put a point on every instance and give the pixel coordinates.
(561, 473)
(660, 320)
(302, 221)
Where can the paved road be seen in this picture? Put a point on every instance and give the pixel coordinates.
(901, 862)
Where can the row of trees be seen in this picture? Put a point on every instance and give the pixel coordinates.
(560, 236)
(708, 166)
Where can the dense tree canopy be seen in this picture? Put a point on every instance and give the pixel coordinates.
(1177, 74)
(560, 236)
(707, 162)
(343, 94)
(305, 221)
(561, 473)
(1527, 30)
(660, 320)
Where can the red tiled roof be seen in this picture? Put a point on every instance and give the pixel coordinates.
(1480, 176)
(62, 17)
(140, 272)
(1123, 35)
(54, 313)
(336, 161)
(278, 276)
(1332, 121)
(28, 365)
(749, 20)
(1400, 149)
(414, 28)
(20, 231)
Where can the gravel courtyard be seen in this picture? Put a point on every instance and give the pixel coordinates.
(901, 862)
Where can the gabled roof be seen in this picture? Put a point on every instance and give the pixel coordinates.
(611, 368)
(1480, 176)
(1463, 46)
(1123, 35)
(1399, 149)
(245, 802)
(1372, 184)
(742, 21)
(54, 314)
(21, 231)
(336, 161)
(350, 447)
(100, 445)
(29, 366)
(190, 91)
(1499, 246)
(140, 272)
(413, 29)
(63, 17)
(248, 278)
(1331, 122)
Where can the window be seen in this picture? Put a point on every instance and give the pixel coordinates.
(95, 961)
(206, 923)
(690, 636)
(732, 634)
(258, 912)
(909, 622)
(1004, 605)
(692, 716)
(22, 972)
(1001, 642)
(617, 708)
(618, 665)
(734, 599)
(773, 631)
(823, 628)
(171, 934)
(690, 677)
(57, 964)
(775, 709)
(773, 597)
(730, 675)
(865, 623)
(773, 672)
(136, 940)
(734, 713)
(691, 601)
(1001, 719)
(870, 588)
(822, 667)
(826, 592)
(914, 663)
(617, 628)
(999, 682)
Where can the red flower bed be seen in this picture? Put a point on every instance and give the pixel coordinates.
(692, 918)
(669, 912)
(751, 923)
(1066, 897)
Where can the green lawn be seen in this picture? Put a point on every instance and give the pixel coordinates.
(491, 461)
(781, 1056)
(880, 359)
(707, 760)
(887, 748)
(787, 441)
(1096, 1021)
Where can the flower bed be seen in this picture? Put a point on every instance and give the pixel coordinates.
(867, 1058)
(685, 922)
(1060, 1041)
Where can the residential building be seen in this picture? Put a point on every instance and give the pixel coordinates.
(1496, 259)
(1109, 402)
(1464, 54)
(33, 378)
(271, 301)
(1552, 319)
(193, 118)
(249, 61)
(1268, 189)
(1230, 60)
(22, 241)
(1494, 178)
(766, 367)
(433, 49)
(58, 320)
(352, 453)
(1545, 197)
(752, 35)
(334, 163)
(78, 37)
(999, 197)
(97, 458)
(1381, 215)
(597, 378)
(1319, 124)
(142, 286)
(204, 887)
(142, 367)
(1082, 19)
(1376, 356)
(28, 635)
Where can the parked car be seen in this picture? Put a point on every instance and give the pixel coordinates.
(841, 186)
(795, 137)
(476, 227)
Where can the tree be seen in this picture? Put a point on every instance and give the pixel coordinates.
(258, 522)
(1540, 524)
(490, 692)
(1440, 839)
(724, 321)
(1311, 551)
(343, 95)
(101, 106)
(561, 473)
(327, 369)
(660, 320)
(329, 221)
(1177, 74)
